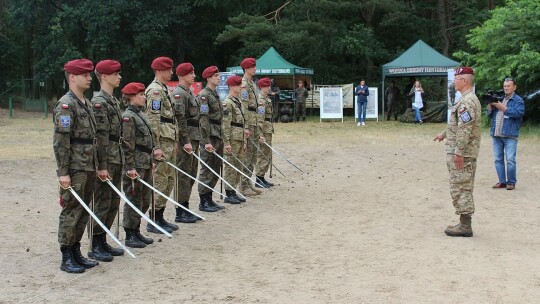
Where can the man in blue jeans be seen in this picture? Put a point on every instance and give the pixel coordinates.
(362, 92)
(506, 117)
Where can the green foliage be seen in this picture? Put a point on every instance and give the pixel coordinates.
(507, 45)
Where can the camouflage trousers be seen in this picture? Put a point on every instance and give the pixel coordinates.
(205, 175)
(229, 174)
(164, 174)
(263, 163)
(250, 159)
(462, 184)
(73, 218)
(106, 201)
(300, 109)
(139, 195)
(189, 164)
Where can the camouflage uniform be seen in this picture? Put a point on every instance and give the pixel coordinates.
(161, 116)
(187, 115)
(108, 135)
(137, 146)
(253, 110)
(301, 94)
(463, 139)
(263, 163)
(211, 132)
(233, 134)
(76, 155)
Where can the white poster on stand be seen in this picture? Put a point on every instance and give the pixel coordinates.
(331, 103)
(372, 109)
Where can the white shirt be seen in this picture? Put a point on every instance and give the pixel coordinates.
(418, 100)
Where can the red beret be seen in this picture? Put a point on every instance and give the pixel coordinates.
(184, 68)
(210, 71)
(264, 82)
(162, 63)
(464, 70)
(79, 66)
(234, 80)
(248, 63)
(108, 67)
(133, 88)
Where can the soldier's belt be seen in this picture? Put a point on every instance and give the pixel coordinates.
(166, 120)
(235, 124)
(215, 122)
(268, 119)
(144, 149)
(252, 109)
(115, 138)
(193, 123)
(83, 141)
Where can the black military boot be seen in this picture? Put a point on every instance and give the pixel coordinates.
(132, 240)
(141, 237)
(240, 198)
(113, 251)
(98, 251)
(212, 203)
(84, 262)
(68, 261)
(182, 216)
(267, 182)
(205, 206)
(231, 198)
(165, 223)
(160, 221)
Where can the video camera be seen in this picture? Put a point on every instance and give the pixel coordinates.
(492, 96)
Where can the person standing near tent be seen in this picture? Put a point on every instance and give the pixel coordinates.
(362, 92)
(417, 103)
(301, 94)
(462, 146)
(392, 97)
(274, 96)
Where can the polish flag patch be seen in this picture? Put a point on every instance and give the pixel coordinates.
(65, 106)
(125, 119)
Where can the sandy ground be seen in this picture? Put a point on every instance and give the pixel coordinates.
(364, 224)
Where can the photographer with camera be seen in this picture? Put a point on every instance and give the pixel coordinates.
(506, 113)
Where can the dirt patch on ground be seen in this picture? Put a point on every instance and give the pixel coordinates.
(364, 224)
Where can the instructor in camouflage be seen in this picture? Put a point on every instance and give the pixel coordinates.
(161, 115)
(108, 135)
(462, 146)
(74, 144)
(211, 137)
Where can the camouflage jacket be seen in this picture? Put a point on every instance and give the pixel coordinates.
(301, 94)
(211, 115)
(250, 103)
(74, 141)
(463, 130)
(267, 126)
(160, 111)
(233, 120)
(137, 142)
(186, 109)
(108, 129)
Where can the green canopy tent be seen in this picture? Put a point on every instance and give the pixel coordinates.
(286, 74)
(419, 60)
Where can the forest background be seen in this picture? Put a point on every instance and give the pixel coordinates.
(342, 41)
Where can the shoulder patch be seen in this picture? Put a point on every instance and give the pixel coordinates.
(65, 121)
(156, 92)
(462, 109)
(203, 98)
(245, 94)
(156, 105)
(97, 105)
(465, 117)
(65, 106)
(176, 96)
(204, 109)
(125, 119)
